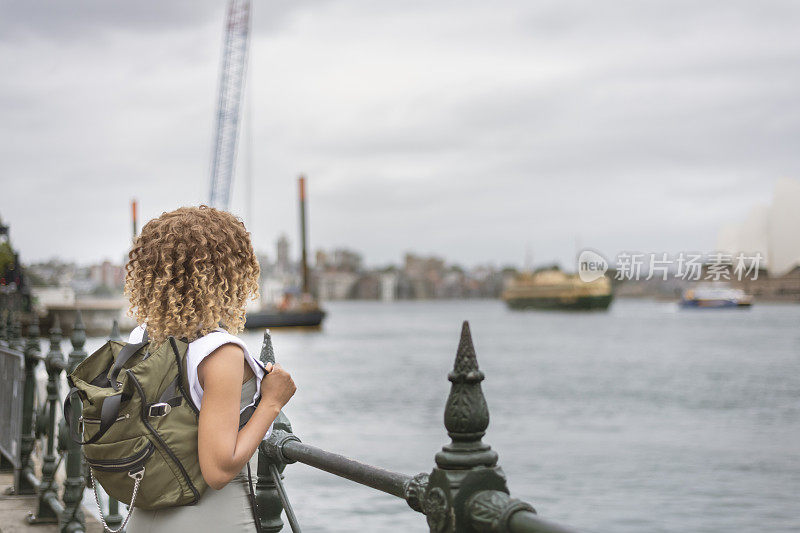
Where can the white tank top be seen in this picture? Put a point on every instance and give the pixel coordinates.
(199, 349)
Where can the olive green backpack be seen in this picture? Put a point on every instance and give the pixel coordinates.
(139, 424)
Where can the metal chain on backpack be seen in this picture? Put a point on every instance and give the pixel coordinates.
(137, 478)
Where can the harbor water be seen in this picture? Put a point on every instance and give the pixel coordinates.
(645, 418)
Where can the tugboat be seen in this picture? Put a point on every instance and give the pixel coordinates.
(550, 288)
(715, 297)
(294, 310)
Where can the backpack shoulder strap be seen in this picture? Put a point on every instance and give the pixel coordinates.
(124, 355)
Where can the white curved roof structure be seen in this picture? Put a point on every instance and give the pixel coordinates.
(784, 228)
(773, 231)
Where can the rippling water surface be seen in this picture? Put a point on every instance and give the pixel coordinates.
(642, 419)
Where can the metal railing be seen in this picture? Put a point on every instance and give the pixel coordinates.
(465, 492)
(40, 424)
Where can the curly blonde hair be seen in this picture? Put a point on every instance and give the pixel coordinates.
(189, 272)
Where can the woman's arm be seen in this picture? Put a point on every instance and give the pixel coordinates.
(222, 449)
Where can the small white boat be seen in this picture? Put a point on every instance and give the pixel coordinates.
(715, 298)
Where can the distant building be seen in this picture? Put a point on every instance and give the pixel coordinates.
(773, 232)
(389, 281)
(785, 288)
(279, 277)
(321, 260)
(334, 285)
(346, 260)
(107, 275)
(339, 276)
(424, 274)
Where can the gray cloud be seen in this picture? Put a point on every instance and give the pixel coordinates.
(462, 128)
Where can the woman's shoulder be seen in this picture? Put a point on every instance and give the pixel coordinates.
(201, 346)
(137, 334)
(205, 345)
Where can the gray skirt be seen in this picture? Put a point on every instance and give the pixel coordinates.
(227, 509)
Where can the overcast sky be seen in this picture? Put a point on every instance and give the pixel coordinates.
(472, 130)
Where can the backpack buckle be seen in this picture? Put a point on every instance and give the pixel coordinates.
(159, 409)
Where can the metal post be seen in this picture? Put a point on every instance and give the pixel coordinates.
(48, 491)
(3, 325)
(73, 520)
(268, 498)
(134, 205)
(5, 465)
(28, 483)
(467, 465)
(14, 341)
(303, 257)
(113, 518)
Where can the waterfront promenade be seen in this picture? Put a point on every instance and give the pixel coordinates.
(645, 418)
(14, 511)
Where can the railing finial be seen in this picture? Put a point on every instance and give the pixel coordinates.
(33, 331)
(78, 337)
(466, 415)
(3, 327)
(267, 351)
(54, 354)
(14, 341)
(467, 464)
(115, 335)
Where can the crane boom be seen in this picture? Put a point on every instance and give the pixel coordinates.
(231, 82)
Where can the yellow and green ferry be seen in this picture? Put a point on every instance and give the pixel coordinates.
(550, 288)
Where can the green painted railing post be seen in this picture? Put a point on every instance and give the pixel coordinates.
(267, 497)
(113, 518)
(73, 519)
(54, 363)
(5, 316)
(32, 357)
(5, 464)
(3, 325)
(467, 491)
(14, 341)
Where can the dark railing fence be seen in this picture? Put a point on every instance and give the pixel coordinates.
(465, 492)
(38, 421)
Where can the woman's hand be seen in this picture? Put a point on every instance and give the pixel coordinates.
(277, 386)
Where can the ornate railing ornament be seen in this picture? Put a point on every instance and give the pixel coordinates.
(415, 491)
(466, 415)
(490, 511)
(73, 518)
(47, 513)
(27, 479)
(466, 464)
